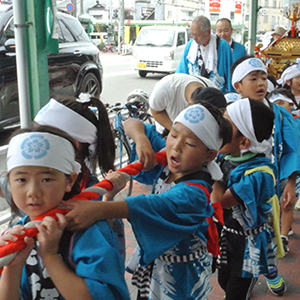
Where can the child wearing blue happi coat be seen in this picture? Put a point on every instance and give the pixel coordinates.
(248, 196)
(249, 77)
(170, 224)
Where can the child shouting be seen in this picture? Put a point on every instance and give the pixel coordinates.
(170, 225)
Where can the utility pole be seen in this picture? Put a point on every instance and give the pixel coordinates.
(81, 7)
(253, 24)
(121, 25)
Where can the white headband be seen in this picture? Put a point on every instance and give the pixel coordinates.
(247, 66)
(240, 114)
(289, 74)
(271, 86)
(279, 96)
(60, 116)
(231, 97)
(42, 149)
(200, 121)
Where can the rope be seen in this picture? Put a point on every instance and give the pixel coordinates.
(9, 251)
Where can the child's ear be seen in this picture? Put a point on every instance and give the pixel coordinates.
(71, 180)
(211, 155)
(244, 143)
(238, 87)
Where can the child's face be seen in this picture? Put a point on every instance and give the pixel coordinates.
(253, 86)
(294, 85)
(36, 190)
(285, 104)
(185, 151)
(233, 147)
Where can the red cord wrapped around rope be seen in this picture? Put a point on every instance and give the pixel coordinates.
(9, 251)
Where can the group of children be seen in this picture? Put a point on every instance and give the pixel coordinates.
(244, 160)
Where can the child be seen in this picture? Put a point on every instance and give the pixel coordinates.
(249, 77)
(42, 171)
(286, 99)
(290, 79)
(170, 224)
(96, 142)
(248, 244)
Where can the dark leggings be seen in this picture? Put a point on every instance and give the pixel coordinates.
(236, 288)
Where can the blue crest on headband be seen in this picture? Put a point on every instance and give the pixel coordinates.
(298, 67)
(43, 109)
(35, 146)
(255, 62)
(232, 96)
(194, 114)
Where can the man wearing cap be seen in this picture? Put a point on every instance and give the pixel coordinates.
(224, 31)
(207, 55)
(279, 31)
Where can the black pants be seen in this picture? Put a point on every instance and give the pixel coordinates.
(236, 288)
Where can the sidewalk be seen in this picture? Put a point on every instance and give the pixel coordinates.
(289, 266)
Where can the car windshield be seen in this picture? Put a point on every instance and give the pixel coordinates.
(156, 38)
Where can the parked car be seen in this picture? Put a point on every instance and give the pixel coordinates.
(76, 68)
(158, 49)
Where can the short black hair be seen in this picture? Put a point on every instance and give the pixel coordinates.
(238, 61)
(224, 19)
(210, 94)
(262, 119)
(272, 79)
(224, 124)
(284, 92)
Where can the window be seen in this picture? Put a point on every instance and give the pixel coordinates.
(232, 14)
(181, 39)
(273, 20)
(265, 19)
(169, 14)
(10, 30)
(214, 18)
(64, 35)
(274, 4)
(266, 3)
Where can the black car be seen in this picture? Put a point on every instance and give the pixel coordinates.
(75, 69)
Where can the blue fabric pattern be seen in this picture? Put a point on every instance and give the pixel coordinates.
(35, 147)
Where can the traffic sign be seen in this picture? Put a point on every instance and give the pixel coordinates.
(70, 6)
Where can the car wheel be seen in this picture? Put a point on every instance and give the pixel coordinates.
(142, 73)
(91, 85)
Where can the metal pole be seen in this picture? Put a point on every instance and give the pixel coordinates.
(121, 25)
(22, 61)
(253, 25)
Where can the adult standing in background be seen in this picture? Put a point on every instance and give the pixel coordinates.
(207, 55)
(224, 31)
(171, 95)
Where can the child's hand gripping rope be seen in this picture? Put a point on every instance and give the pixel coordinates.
(9, 251)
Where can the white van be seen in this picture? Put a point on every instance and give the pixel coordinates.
(96, 37)
(158, 49)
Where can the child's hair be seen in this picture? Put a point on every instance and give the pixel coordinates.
(273, 80)
(211, 95)
(287, 65)
(238, 61)
(263, 120)
(104, 155)
(224, 124)
(284, 92)
(55, 131)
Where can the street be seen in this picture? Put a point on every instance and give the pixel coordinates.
(119, 78)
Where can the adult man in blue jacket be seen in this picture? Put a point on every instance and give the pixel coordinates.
(224, 31)
(207, 55)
